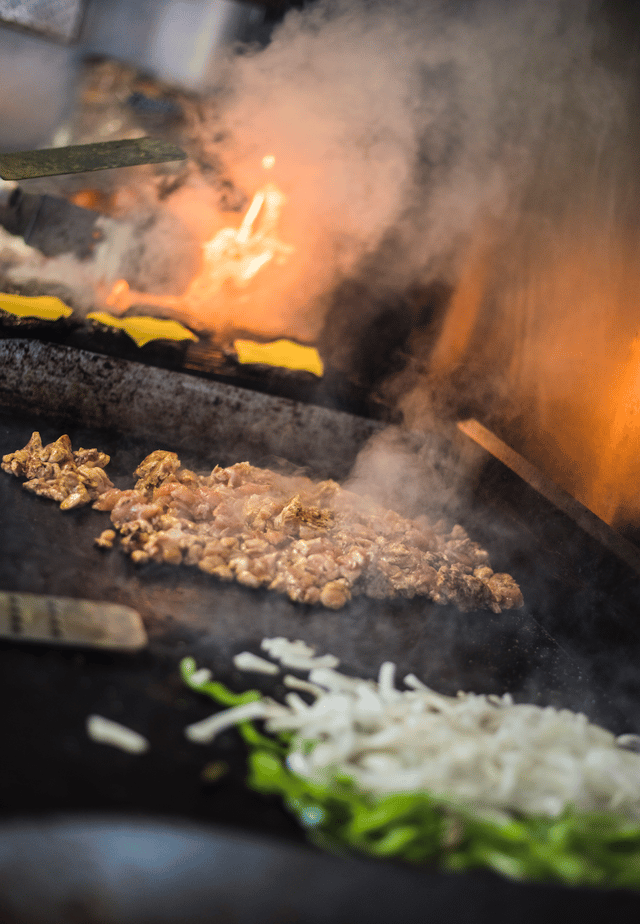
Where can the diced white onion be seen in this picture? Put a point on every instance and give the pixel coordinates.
(386, 678)
(246, 661)
(297, 683)
(295, 702)
(297, 655)
(106, 731)
(630, 742)
(205, 731)
(482, 749)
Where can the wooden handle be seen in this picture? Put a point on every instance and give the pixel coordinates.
(65, 621)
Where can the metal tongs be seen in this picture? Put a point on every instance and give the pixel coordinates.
(81, 158)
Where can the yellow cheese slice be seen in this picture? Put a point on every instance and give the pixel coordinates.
(143, 329)
(45, 307)
(283, 353)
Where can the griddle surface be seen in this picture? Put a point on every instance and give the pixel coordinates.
(50, 765)
(187, 612)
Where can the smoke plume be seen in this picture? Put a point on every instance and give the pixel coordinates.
(406, 129)
(479, 145)
(482, 147)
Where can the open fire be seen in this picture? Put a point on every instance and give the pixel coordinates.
(401, 180)
(230, 260)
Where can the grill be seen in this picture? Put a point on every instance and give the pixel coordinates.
(89, 833)
(573, 645)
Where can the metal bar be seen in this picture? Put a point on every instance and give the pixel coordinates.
(81, 158)
(581, 515)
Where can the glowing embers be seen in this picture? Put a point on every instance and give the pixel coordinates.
(232, 257)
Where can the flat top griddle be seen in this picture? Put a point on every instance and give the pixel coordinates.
(559, 650)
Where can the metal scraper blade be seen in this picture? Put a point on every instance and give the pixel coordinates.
(65, 621)
(81, 158)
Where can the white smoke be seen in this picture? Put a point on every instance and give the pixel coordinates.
(421, 120)
(403, 131)
(462, 142)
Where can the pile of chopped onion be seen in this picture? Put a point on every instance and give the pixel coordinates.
(484, 751)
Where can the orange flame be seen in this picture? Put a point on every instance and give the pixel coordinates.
(548, 332)
(232, 256)
(614, 491)
(238, 254)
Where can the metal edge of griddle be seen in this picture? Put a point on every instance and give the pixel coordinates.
(581, 515)
(85, 158)
(594, 572)
(68, 384)
(202, 358)
(123, 870)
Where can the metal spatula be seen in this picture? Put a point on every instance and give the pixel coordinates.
(66, 621)
(81, 158)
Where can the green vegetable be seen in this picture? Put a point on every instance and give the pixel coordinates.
(575, 848)
(217, 691)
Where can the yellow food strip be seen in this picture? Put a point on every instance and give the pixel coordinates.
(144, 329)
(45, 307)
(284, 353)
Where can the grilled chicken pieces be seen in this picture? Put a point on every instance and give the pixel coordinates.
(70, 478)
(313, 541)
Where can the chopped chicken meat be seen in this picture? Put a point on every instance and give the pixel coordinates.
(56, 471)
(313, 541)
